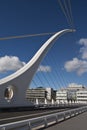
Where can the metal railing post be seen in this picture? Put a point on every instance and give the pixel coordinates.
(3, 128)
(56, 118)
(45, 121)
(29, 125)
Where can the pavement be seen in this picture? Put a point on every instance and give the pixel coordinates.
(76, 123)
(8, 117)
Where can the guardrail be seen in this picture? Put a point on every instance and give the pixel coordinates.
(43, 121)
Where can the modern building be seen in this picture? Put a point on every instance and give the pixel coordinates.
(41, 95)
(51, 94)
(73, 93)
(37, 95)
(61, 96)
(82, 96)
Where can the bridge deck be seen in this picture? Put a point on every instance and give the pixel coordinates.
(76, 123)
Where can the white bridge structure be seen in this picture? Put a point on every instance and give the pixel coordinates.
(13, 88)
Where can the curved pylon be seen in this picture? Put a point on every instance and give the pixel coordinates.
(18, 82)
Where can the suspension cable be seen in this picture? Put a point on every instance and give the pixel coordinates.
(26, 35)
(68, 12)
(55, 72)
(45, 77)
(33, 81)
(64, 12)
(71, 13)
(66, 9)
(58, 73)
(50, 76)
(39, 78)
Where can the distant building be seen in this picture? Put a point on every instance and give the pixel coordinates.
(61, 96)
(41, 95)
(82, 95)
(73, 93)
(36, 95)
(51, 94)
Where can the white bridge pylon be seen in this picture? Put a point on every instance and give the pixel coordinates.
(13, 88)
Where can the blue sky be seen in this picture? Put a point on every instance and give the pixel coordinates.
(20, 17)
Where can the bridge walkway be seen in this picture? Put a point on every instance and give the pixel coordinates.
(76, 123)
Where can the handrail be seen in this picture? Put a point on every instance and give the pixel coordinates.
(43, 121)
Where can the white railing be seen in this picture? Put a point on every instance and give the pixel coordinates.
(43, 121)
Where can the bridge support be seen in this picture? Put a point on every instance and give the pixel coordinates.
(13, 88)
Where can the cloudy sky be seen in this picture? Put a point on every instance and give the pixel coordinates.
(67, 60)
(78, 64)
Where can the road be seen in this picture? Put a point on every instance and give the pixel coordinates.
(76, 123)
(8, 117)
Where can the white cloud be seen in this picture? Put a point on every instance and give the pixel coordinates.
(79, 66)
(72, 65)
(83, 49)
(43, 68)
(83, 41)
(10, 63)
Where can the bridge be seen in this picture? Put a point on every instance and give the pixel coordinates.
(17, 113)
(13, 88)
(42, 118)
(78, 122)
(54, 119)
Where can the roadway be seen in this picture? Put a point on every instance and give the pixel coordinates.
(8, 117)
(76, 123)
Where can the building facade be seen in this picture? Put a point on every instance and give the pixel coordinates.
(41, 95)
(51, 94)
(61, 96)
(82, 96)
(37, 95)
(73, 93)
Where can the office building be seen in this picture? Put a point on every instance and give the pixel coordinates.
(41, 95)
(73, 93)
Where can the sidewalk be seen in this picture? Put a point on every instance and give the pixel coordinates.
(76, 123)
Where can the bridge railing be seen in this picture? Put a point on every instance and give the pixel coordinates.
(43, 121)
